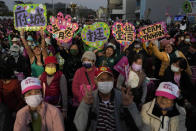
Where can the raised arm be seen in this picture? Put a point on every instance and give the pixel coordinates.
(156, 51)
(28, 49)
(43, 45)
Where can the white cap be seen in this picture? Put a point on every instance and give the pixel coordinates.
(168, 90)
(30, 83)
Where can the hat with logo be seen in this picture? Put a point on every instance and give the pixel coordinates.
(168, 90)
(101, 70)
(30, 83)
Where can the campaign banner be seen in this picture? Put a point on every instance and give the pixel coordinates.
(95, 35)
(62, 28)
(123, 67)
(124, 33)
(30, 17)
(153, 32)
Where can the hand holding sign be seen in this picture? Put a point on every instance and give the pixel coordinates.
(62, 28)
(95, 35)
(153, 32)
(124, 34)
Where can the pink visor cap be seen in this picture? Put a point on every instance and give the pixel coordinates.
(168, 90)
(30, 83)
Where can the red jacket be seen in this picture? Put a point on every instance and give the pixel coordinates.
(80, 79)
(52, 91)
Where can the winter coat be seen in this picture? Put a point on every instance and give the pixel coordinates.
(5, 119)
(80, 79)
(71, 64)
(152, 122)
(51, 117)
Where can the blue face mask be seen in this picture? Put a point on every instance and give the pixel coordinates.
(167, 109)
(87, 64)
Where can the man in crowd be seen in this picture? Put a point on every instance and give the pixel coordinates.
(107, 108)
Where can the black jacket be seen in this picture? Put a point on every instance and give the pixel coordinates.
(5, 119)
(72, 63)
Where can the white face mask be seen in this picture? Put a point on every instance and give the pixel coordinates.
(33, 100)
(174, 68)
(187, 40)
(14, 54)
(105, 87)
(182, 38)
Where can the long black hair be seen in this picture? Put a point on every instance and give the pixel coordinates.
(133, 57)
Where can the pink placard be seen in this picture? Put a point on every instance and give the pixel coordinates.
(62, 28)
(123, 66)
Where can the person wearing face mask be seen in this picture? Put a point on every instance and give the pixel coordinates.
(176, 74)
(184, 46)
(37, 115)
(19, 63)
(16, 41)
(137, 81)
(84, 76)
(54, 85)
(107, 108)
(179, 39)
(37, 53)
(72, 62)
(167, 56)
(163, 113)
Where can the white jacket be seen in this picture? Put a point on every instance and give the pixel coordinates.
(153, 123)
